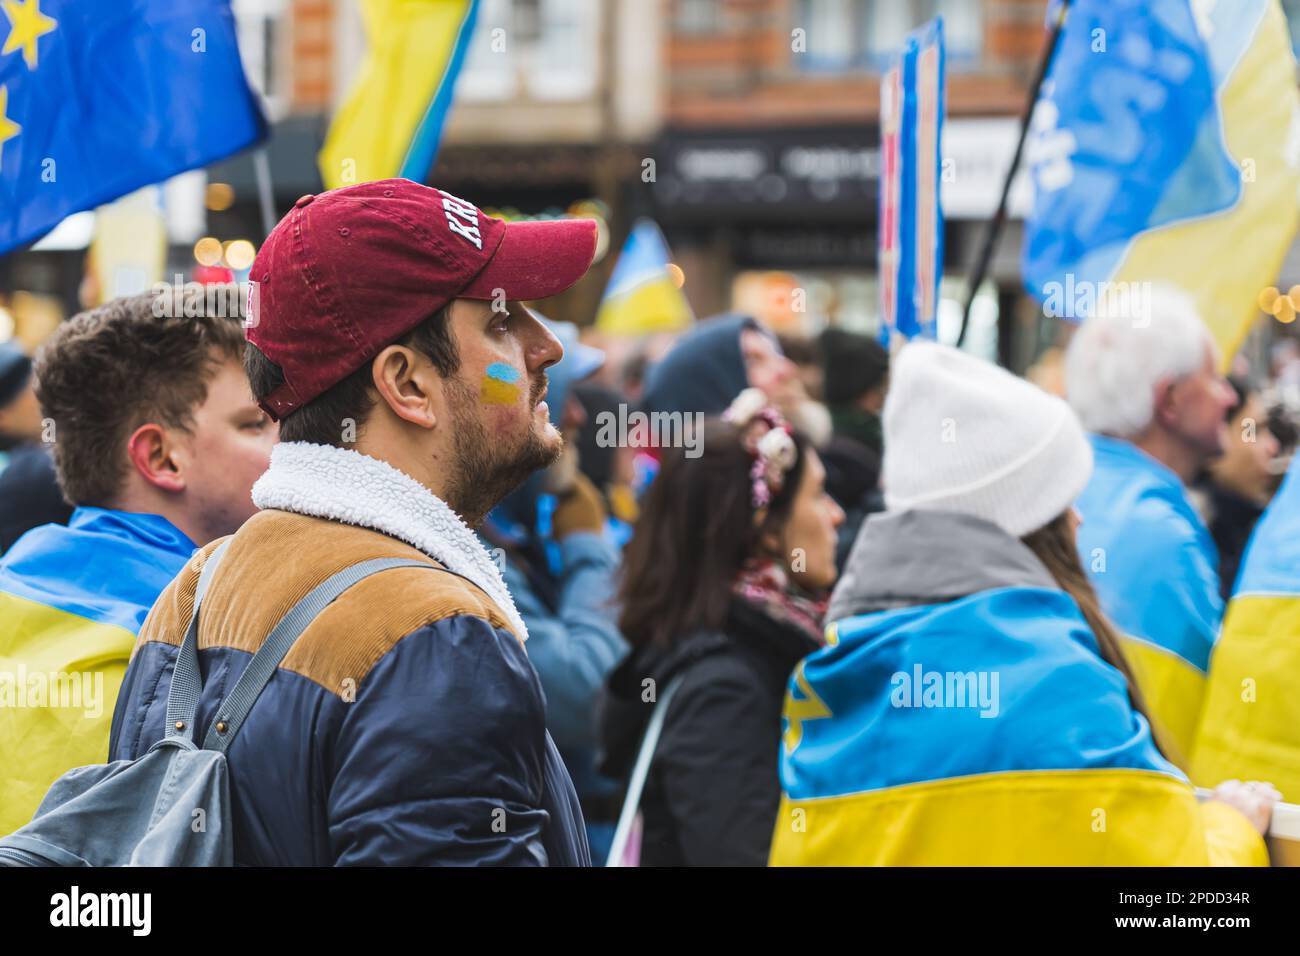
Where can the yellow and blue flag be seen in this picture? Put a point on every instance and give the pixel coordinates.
(642, 296)
(1250, 724)
(1156, 571)
(983, 731)
(1161, 151)
(99, 99)
(72, 599)
(392, 121)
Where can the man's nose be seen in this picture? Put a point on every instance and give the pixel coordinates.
(543, 349)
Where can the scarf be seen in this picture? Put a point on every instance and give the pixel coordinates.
(766, 585)
(346, 486)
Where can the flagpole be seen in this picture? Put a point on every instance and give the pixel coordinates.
(265, 194)
(994, 228)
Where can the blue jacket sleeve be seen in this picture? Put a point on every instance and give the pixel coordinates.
(575, 648)
(441, 757)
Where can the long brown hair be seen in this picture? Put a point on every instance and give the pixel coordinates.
(1054, 545)
(696, 530)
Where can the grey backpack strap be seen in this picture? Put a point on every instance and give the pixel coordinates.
(640, 770)
(187, 685)
(230, 715)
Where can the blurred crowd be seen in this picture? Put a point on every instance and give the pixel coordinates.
(821, 529)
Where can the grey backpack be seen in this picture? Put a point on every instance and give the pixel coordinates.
(170, 806)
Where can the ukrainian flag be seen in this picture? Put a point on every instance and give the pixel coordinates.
(100, 98)
(1250, 725)
(1164, 151)
(1156, 571)
(392, 121)
(72, 600)
(642, 296)
(984, 731)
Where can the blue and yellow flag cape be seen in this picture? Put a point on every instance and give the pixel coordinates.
(983, 731)
(1250, 727)
(1162, 152)
(1156, 571)
(71, 602)
(99, 99)
(392, 121)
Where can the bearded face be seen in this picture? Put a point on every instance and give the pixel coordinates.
(496, 447)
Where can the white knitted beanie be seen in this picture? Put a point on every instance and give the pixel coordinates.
(963, 435)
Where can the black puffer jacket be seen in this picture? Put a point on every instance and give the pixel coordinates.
(712, 792)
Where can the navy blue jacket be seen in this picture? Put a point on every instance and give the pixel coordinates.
(406, 725)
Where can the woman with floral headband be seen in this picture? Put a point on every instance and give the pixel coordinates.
(723, 591)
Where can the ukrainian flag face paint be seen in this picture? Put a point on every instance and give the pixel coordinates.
(500, 384)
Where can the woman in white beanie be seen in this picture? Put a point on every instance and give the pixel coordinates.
(972, 706)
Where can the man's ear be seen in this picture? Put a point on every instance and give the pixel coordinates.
(1165, 405)
(153, 455)
(408, 384)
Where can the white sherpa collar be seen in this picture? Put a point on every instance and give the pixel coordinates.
(344, 485)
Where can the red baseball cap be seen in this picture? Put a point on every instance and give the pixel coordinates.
(350, 271)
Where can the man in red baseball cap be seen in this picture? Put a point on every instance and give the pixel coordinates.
(405, 724)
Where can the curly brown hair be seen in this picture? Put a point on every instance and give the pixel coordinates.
(106, 372)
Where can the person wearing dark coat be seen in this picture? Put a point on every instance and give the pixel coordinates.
(855, 374)
(29, 486)
(723, 592)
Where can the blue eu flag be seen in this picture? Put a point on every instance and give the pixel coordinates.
(101, 97)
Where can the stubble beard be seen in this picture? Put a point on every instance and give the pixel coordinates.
(485, 472)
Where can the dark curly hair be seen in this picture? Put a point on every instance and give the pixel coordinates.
(135, 360)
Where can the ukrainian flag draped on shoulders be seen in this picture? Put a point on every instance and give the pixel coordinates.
(72, 600)
(1250, 728)
(962, 714)
(1156, 570)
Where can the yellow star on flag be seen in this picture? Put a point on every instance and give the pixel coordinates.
(29, 25)
(8, 128)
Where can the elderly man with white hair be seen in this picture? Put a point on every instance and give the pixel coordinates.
(1143, 377)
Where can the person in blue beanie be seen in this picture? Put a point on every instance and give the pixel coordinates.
(29, 487)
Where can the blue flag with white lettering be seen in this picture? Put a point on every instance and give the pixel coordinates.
(1127, 137)
(101, 97)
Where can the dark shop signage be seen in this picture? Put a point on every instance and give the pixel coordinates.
(819, 174)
